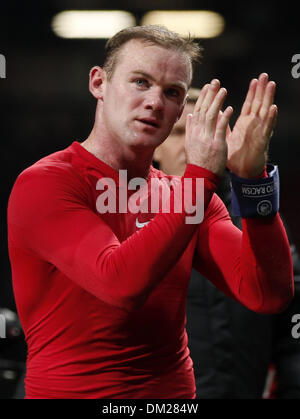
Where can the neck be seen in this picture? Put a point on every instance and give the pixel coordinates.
(135, 160)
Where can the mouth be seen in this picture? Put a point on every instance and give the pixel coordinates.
(149, 121)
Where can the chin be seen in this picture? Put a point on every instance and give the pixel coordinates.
(145, 140)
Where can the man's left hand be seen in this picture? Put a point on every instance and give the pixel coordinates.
(248, 142)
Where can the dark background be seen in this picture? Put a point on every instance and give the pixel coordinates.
(45, 102)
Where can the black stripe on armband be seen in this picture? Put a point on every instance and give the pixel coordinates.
(256, 197)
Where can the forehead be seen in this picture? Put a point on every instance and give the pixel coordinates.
(165, 65)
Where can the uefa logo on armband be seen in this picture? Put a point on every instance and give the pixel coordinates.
(264, 208)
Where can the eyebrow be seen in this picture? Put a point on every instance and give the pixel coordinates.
(179, 85)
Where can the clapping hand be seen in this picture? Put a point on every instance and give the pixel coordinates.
(248, 142)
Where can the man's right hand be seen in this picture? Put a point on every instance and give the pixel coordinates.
(205, 142)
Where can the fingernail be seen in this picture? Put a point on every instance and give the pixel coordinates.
(264, 75)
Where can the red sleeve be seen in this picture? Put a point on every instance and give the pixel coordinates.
(49, 216)
(253, 266)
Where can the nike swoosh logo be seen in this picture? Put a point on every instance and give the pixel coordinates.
(140, 225)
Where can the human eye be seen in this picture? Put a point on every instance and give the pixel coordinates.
(140, 82)
(172, 92)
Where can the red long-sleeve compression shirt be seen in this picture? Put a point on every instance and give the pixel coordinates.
(102, 301)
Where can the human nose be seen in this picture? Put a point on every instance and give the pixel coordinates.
(154, 100)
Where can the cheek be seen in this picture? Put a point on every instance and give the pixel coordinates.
(171, 120)
(119, 98)
(173, 116)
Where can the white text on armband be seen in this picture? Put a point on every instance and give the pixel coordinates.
(258, 190)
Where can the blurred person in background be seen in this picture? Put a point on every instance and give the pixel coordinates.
(236, 352)
(12, 353)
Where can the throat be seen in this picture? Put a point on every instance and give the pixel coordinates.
(136, 164)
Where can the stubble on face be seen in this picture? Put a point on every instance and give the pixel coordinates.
(171, 153)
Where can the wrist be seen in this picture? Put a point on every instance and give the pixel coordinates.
(200, 171)
(256, 197)
(258, 174)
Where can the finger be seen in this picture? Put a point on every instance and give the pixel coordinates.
(201, 98)
(228, 129)
(188, 122)
(267, 100)
(213, 112)
(249, 98)
(270, 122)
(259, 93)
(213, 89)
(222, 124)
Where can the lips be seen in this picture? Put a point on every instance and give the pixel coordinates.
(152, 122)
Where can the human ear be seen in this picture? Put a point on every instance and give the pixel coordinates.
(97, 81)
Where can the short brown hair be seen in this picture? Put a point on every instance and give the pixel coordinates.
(152, 34)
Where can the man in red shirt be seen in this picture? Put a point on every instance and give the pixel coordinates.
(102, 295)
